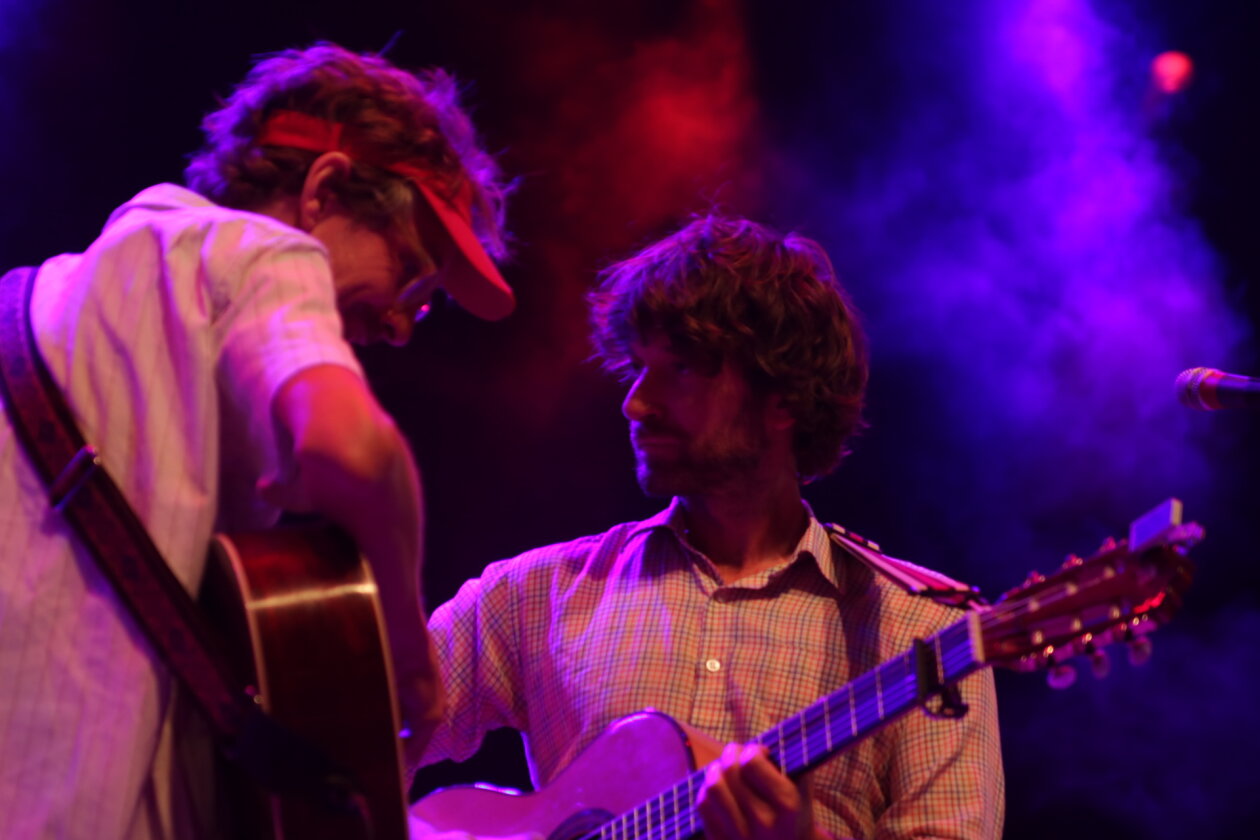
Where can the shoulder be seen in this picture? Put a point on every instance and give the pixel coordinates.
(589, 554)
(914, 579)
(549, 572)
(896, 599)
(175, 217)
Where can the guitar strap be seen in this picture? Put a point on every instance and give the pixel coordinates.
(81, 490)
(914, 579)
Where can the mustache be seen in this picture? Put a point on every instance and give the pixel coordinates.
(650, 429)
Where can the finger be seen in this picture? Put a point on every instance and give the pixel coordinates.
(761, 813)
(768, 782)
(718, 808)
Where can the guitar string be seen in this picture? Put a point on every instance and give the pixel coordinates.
(679, 815)
(683, 795)
(680, 819)
(1024, 606)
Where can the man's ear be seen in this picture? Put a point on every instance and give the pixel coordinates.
(317, 198)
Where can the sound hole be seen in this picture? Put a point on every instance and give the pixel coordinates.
(581, 824)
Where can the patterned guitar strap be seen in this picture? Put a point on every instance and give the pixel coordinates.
(83, 493)
(920, 582)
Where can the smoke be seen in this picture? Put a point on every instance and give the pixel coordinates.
(1032, 287)
(1028, 275)
(633, 124)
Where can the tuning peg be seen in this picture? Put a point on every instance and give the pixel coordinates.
(1034, 578)
(1072, 560)
(1139, 651)
(1107, 545)
(1099, 664)
(1061, 676)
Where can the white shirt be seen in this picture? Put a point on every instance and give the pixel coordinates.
(170, 335)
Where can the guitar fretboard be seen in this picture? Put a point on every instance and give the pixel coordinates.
(813, 735)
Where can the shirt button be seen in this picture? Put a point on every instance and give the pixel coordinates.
(712, 666)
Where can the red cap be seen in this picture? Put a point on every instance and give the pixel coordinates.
(474, 280)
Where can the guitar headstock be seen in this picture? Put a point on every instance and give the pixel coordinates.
(1120, 594)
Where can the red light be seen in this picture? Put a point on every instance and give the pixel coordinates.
(1171, 71)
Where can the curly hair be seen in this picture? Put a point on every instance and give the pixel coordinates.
(732, 290)
(398, 116)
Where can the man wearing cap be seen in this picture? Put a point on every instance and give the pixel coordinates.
(203, 345)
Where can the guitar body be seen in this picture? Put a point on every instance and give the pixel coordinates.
(633, 760)
(298, 609)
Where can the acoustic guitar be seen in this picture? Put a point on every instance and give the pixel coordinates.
(615, 790)
(299, 611)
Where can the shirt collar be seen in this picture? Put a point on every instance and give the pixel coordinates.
(815, 542)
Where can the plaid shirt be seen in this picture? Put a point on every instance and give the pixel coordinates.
(563, 640)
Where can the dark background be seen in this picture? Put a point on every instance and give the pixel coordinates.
(1038, 238)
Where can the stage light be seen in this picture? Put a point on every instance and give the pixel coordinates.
(1171, 71)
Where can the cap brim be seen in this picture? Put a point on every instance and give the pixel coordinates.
(473, 280)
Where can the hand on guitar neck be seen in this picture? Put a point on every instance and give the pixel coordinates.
(745, 797)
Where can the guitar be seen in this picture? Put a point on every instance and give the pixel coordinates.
(1121, 593)
(298, 610)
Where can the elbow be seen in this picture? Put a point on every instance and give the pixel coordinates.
(352, 463)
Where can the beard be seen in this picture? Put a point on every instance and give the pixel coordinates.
(703, 465)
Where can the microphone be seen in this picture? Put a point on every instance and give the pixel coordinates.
(1208, 389)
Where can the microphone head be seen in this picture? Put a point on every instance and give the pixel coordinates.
(1196, 388)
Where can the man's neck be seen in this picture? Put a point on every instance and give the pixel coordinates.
(748, 529)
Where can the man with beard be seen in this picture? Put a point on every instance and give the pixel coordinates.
(733, 608)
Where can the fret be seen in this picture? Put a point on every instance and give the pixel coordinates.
(898, 684)
(693, 792)
(879, 695)
(864, 689)
(826, 705)
(804, 736)
(957, 648)
(792, 742)
(853, 727)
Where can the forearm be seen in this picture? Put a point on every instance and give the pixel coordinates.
(377, 500)
(350, 464)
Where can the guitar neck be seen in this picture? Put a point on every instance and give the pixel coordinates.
(827, 727)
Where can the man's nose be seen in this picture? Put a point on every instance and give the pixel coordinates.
(638, 404)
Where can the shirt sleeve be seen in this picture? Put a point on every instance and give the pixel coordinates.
(945, 775)
(477, 637)
(280, 317)
(275, 315)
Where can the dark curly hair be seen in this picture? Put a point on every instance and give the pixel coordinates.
(729, 289)
(395, 115)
